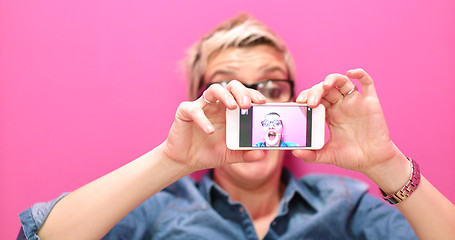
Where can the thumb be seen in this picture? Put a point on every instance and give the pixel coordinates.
(308, 156)
(254, 155)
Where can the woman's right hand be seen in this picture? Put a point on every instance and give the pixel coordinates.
(196, 141)
(197, 138)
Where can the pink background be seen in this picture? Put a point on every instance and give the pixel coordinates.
(294, 123)
(87, 86)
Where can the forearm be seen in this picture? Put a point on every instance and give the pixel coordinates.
(430, 214)
(91, 211)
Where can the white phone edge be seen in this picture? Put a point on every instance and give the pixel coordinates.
(317, 134)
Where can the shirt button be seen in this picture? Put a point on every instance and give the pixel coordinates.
(274, 223)
(241, 210)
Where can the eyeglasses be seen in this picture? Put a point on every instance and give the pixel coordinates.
(275, 123)
(274, 90)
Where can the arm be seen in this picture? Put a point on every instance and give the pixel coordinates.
(360, 141)
(195, 141)
(91, 211)
(430, 214)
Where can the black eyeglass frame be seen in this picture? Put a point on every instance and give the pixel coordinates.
(253, 86)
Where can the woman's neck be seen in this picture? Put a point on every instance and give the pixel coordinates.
(259, 199)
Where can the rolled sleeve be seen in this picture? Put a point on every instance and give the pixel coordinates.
(374, 219)
(32, 219)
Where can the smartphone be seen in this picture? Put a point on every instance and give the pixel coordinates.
(277, 126)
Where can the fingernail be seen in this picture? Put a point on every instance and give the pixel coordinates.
(246, 100)
(260, 98)
(232, 102)
(312, 100)
(209, 129)
(303, 97)
(327, 82)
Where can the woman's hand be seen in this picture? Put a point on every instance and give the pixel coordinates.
(359, 140)
(359, 137)
(197, 138)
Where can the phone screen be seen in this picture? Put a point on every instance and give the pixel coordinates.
(275, 126)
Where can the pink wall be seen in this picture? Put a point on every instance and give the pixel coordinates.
(87, 86)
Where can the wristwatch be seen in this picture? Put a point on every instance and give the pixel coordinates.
(408, 189)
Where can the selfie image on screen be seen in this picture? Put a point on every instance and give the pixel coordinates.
(277, 126)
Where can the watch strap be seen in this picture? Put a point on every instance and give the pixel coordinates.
(408, 189)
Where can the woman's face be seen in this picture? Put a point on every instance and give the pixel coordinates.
(248, 65)
(272, 127)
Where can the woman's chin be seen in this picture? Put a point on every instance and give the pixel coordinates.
(272, 143)
(255, 169)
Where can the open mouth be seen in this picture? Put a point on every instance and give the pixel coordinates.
(271, 135)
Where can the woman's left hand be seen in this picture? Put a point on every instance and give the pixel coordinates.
(359, 138)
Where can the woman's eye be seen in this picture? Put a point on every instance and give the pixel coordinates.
(273, 93)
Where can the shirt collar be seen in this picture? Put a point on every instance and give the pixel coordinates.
(294, 188)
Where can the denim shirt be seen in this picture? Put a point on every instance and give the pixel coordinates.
(314, 207)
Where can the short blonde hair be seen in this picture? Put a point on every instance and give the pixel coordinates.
(240, 31)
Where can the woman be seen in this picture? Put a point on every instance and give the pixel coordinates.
(272, 126)
(249, 195)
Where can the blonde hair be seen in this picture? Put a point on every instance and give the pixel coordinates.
(240, 31)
